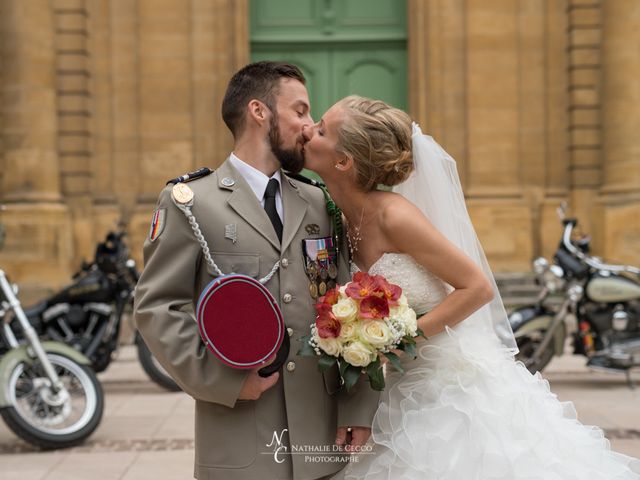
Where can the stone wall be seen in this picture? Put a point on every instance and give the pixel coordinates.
(103, 100)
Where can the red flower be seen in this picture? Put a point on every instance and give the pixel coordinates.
(328, 325)
(391, 291)
(331, 297)
(364, 285)
(374, 307)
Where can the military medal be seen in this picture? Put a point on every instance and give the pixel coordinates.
(313, 290)
(333, 271)
(182, 194)
(322, 288)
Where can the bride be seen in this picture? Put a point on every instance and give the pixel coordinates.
(463, 409)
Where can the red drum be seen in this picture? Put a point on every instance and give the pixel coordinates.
(240, 321)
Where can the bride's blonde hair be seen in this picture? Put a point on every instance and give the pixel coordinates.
(378, 137)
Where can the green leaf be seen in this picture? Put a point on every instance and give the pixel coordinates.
(395, 361)
(420, 333)
(342, 365)
(408, 339)
(326, 362)
(351, 376)
(410, 349)
(376, 377)
(306, 350)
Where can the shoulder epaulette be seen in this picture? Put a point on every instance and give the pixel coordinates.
(307, 180)
(187, 177)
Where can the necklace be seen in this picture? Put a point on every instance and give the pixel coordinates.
(354, 236)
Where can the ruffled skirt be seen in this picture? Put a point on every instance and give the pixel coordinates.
(465, 410)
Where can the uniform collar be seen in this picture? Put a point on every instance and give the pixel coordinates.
(254, 177)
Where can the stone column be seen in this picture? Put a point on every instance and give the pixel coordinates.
(28, 102)
(620, 192)
(38, 249)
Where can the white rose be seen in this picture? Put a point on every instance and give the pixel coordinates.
(358, 354)
(345, 310)
(343, 291)
(396, 312)
(410, 322)
(330, 346)
(402, 301)
(375, 332)
(348, 332)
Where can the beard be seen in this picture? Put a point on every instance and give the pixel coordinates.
(291, 159)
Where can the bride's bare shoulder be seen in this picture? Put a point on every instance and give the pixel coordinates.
(396, 209)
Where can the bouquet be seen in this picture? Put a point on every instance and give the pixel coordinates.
(360, 323)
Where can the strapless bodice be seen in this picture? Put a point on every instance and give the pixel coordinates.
(424, 291)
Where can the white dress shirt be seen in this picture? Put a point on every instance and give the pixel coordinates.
(258, 182)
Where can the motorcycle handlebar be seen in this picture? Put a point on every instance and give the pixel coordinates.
(592, 262)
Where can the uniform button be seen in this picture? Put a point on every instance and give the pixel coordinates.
(291, 366)
(290, 331)
(286, 298)
(284, 262)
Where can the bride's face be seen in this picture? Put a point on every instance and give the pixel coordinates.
(320, 154)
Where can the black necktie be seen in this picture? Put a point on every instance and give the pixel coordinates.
(270, 206)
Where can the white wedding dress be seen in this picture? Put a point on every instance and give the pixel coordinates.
(465, 410)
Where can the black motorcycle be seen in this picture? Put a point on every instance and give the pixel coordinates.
(88, 314)
(602, 300)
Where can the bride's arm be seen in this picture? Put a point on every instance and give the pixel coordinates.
(410, 232)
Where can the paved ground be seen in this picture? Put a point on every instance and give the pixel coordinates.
(147, 433)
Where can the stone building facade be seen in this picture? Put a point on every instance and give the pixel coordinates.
(103, 100)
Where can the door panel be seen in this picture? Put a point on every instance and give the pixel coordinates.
(377, 73)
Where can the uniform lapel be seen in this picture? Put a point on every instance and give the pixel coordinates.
(295, 208)
(244, 202)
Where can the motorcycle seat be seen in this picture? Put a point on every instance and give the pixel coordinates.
(35, 311)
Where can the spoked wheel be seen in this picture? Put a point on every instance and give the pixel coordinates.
(50, 419)
(527, 345)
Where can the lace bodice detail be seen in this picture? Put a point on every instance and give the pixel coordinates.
(424, 291)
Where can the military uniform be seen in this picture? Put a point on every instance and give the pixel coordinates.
(237, 439)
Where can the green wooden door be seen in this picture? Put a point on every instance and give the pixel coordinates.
(343, 46)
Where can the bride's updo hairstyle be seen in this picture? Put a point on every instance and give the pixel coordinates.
(378, 138)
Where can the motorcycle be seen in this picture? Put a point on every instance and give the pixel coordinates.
(49, 395)
(87, 315)
(601, 300)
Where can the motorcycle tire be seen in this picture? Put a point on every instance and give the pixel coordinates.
(152, 367)
(526, 346)
(59, 423)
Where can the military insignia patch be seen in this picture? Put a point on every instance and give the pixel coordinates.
(312, 229)
(158, 222)
(231, 232)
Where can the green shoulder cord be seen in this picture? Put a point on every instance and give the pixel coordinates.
(336, 216)
(332, 209)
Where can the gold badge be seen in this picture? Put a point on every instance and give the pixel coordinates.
(313, 290)
(182, 194)
(322, 288)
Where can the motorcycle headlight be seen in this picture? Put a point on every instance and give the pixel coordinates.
(553, 278)
(540, 265)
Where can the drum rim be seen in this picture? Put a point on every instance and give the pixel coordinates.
(214, 286)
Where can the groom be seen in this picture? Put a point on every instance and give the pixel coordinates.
(247, 426)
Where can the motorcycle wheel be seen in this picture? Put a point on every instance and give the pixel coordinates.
(152, 367)
(48, 421)
(527, 345)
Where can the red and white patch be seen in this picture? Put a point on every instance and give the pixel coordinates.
(158, 222)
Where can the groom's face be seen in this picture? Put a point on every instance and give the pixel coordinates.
(291, 115)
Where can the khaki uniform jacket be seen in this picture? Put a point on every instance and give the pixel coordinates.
(237, 439)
